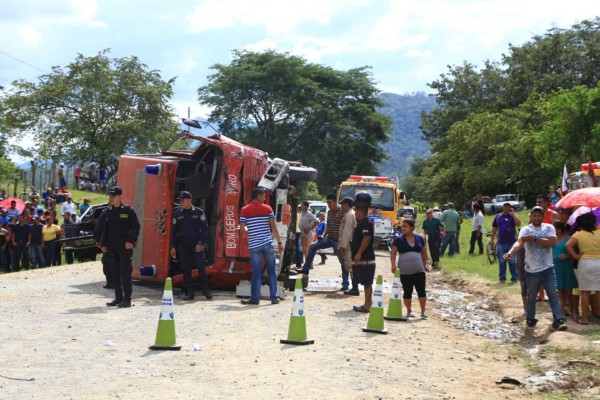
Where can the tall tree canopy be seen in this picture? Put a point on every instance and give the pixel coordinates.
(94, 109)
(511, 125)
(300, 111)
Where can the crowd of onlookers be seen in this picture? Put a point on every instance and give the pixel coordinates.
(30, 234)
(556, 252)
(91, 179)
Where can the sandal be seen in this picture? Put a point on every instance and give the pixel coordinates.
(582, 322)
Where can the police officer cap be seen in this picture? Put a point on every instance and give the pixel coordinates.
(115, 191)
(185, 195)
(347, 200)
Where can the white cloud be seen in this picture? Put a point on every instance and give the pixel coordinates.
(277, 17)
(419, 54)
(263, 45)
(29, 34)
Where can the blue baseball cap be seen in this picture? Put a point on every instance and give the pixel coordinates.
(185, 195)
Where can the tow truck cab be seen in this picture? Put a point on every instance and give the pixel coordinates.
(220, 173)
(386, 197)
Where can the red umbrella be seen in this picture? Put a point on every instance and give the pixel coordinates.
(589, 197)
(6, 204)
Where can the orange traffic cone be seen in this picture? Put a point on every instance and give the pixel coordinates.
(165, 333)
(375, 322)
(297, 328)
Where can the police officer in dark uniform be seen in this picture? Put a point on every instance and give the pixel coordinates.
(106, 266)
(120, 233)
(189, 233)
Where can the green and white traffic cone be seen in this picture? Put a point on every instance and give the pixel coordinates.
(165, 334)
(375, 322)
(394, 312)
(297, 328)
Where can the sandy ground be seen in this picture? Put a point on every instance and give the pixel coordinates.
(57, 332)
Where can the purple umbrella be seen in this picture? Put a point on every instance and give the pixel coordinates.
(584, 210)
(596, 212)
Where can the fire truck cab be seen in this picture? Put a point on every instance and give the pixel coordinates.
(220, 173)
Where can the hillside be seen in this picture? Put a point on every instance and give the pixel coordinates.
(407, 142)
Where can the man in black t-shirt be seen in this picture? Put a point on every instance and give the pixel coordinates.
(363, 255)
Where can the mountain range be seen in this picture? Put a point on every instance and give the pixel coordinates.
(406, 141)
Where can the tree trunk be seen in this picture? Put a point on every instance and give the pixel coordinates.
(33, 171)
(53, 177)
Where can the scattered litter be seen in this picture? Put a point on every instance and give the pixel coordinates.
(18, 379)
(109, 343)
(196, 347)
(511, 381)
(596, 341)
(540, 380)
(472, 313)
(319, 309)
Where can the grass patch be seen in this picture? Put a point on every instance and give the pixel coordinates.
(95, 197)
(478, 265)
(564, 354)
(591, 334)
(555, 396)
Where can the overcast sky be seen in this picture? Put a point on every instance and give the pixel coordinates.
(408, 43)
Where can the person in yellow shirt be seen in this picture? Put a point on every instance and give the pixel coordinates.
(50, 234)
(587, 240)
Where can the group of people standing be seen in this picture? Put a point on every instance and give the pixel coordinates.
(30, 238)
(551, 256)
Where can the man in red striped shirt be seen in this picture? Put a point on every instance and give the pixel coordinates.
(260, 222)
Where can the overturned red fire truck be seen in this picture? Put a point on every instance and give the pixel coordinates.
(220, 173)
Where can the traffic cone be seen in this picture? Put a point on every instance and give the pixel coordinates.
(297, 329)
(394, 312)
(165, 334)
(375, 322)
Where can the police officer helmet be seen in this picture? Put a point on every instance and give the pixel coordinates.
(362, 200)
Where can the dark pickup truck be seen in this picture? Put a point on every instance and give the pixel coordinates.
(81, 239)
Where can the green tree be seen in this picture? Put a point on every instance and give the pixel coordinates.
(511, 125)
(570, 133)
(561, 58)
(296, 110)
(8, 169)
(94, 109)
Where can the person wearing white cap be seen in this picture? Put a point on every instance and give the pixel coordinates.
(538, 239)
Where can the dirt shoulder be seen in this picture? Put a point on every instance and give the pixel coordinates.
(58, 332)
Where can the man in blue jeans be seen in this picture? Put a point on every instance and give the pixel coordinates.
(505, 225)
(259, 220)
(331, 237)
(451, 220)
(538, 239)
